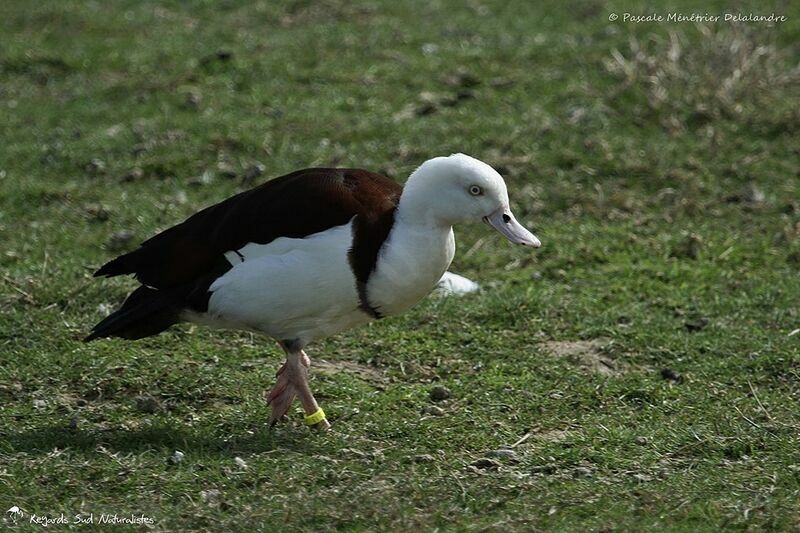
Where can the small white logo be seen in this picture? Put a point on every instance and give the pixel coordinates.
(15, 513)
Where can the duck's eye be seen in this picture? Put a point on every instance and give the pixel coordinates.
(475, 190)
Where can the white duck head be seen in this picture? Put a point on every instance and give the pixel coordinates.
(445, 191)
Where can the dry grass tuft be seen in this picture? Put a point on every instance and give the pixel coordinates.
(688, 82)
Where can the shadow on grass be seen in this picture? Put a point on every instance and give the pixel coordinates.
(162, 438)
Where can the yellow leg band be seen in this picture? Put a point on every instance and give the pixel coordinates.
(315, 418)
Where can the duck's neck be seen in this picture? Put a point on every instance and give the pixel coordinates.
(422, 235)
(414, 208)
(411, 216)
(416, 254)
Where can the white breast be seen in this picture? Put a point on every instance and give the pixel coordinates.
(289, 288)
(410, 264)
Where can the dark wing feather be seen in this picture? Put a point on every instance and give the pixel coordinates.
(296, 205)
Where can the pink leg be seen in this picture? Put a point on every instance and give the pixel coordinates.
(293, 381)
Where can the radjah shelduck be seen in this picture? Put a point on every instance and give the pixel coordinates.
(308, 255)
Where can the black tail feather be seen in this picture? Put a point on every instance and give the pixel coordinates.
(116, 267)
(145, 312)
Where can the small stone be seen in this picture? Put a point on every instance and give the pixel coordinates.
(39, 404)
(696, 324)
(253, 172)
(484, 463)
(211, 496)
(440, 393)
(95, 166)
(226, 170)
(120, 240)
(503, 453)
(544, 469)
(192, 100)
(135, 174)
(671, 375)
(240, 462)
(206, 178)
(430, 48)
(176, 457)
(218, 56)
(750, 194)
(462, 78)
(424, 458)
(426, 108)
(433, 410)
(642, 441)
(97, 213)
(147, 404)
(582, 471)
(223, 55)
(689, 247)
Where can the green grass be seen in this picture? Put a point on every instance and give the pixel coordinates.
(657, 162)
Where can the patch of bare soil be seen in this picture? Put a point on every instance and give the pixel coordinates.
(587, 355)
(537, 437)
(364, 372)
(554, 435)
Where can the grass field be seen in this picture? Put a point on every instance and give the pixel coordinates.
(643, 366)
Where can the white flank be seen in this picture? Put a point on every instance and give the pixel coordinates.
(289, 288)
